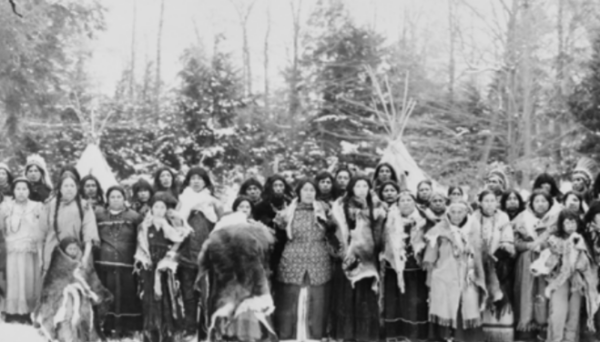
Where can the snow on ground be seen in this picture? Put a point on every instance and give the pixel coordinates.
(25, 333)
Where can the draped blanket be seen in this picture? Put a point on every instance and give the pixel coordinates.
(234, 261)
(69, 291)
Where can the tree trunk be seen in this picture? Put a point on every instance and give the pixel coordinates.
(132, 65)
(527, 79)
(266, 61)
(294, 102)
(158, 58)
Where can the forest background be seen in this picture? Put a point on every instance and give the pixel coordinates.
(515, 82)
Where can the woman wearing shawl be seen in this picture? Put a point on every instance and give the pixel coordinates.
(117, 227)
(158, 241)
(38, 176)
(165, 181)
(498, 252)
(201, 211)
(531, 230)
(91, 191)
(424, 192)
(436, 209)
(302, 286)
(512, 204)
(343, 176)
(404, 292)
(355, 309)
(456, 279)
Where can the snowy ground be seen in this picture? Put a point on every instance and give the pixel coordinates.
(25, 333)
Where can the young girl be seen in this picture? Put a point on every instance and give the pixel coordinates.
(571, 279)
(142, 193)
(456, 280)
(155, 260)
(531, 230)
(20, 223)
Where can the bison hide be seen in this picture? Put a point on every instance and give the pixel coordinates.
(69, 291)
(235, 259)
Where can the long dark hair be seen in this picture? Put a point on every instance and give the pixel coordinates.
(547, 178)
(505, 197)
(350, 196)
(65, 177)
(268, 193)
(394, 176)
(302, 183)
(70, 169)
(99, 192)
(158, 186)
(141, 185)
(200, 172)
(567, 214)
(451, 189)
(542, 193)
(335, 189)
(573, 193)
(383, 185)
(248, 183)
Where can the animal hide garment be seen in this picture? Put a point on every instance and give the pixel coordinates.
(360, 261)
(235, 259)
(69, 291)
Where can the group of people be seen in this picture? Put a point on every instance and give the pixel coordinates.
(355, 258)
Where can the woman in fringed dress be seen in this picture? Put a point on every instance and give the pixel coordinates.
(404, 294)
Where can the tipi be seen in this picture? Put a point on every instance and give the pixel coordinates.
(92, 162)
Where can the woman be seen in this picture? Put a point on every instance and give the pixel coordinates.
(569, 280)
(68, 215)
(455, 193)
(531, 230)
(456, 279)
(498, 252)
(252, 189)
(384, 172)
(547, 183)
(388, 193)
(328, 191)
(342, 179)
(37, 174)
(437, 207)
(591, 235)
(142, 194)
(92, 192)
(424, 191)
(164, 181)
(20, 224)
(155, 260)
(355, 310)
(512, 204)
(405, 295)
(6, 181)
(573, 201)
(302, 284)
(72, 170)
(117, 227)
(201, 211)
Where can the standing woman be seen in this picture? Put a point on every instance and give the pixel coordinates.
(384, 172)
(456, 278)
(498, 252)
(388, 193)
(424, 192)
(342, 179)
(252, 189)
(117, 227)
(328, 190)
(455, 194)
(142, 194)
(67, 215)
(5, 195)
(164, 181)
(37, 174)
(92, 192)
(6, 181)
(201, 211)
(302, 286)
(405, 295)
(531, 230)
(355, 309)
(512, 204)
(547, 183)
(436, 209)
(155, 259)
(19, 222)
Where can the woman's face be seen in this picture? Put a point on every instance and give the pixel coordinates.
(546, 187)
(325, 185)
(406, 204)
(456, 195)
(74, 251)
(244, 207)
(253, 192)
(540, 204)
(384, 174)
(424, 192)
(159, 209)
(438, 204)
(572, 202)
(3, 176)
(579, 182)
(570, 226)
(34, 174)
(278, 187)
(21, 192)
(489, 203)
(512, 202)
(457, 214)
(361, 189)
(597, 220)
(166, 179)
(68, 189)
(289, 177)
(342, 179)
(143, 196)
(90, 189)
(389, 194)
(197, 183)
(116, 200)
(308, 193)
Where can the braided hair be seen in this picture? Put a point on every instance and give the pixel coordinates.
(350, 196)
(66, 176)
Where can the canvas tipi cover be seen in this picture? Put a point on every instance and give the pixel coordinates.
(92, 162)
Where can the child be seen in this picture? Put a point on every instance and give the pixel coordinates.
(568, 269)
